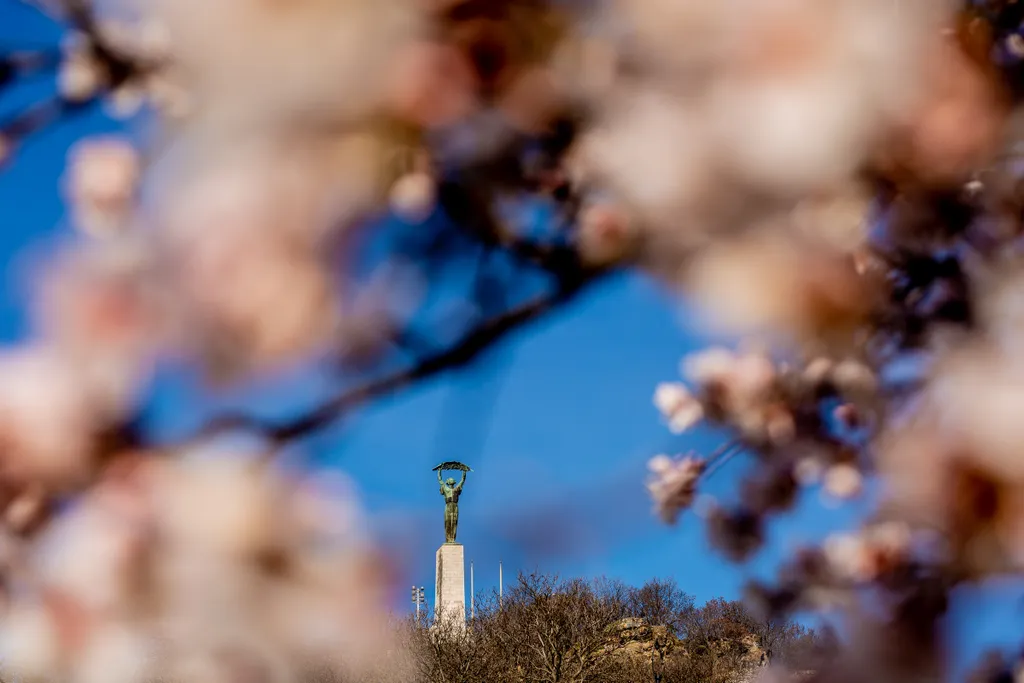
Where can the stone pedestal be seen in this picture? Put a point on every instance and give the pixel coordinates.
(450, 587)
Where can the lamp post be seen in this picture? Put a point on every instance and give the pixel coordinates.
(418, 598)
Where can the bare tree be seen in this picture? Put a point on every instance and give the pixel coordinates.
(717, 640)
(551, 631)
(661, 602)
(444, 652)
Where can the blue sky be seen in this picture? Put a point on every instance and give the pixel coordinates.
(558, 426)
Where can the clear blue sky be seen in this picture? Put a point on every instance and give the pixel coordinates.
(560, 421)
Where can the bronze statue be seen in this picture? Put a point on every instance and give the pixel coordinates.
(451, 492)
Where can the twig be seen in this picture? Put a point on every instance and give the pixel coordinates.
(26, 62)
(720, 457)
(36, 117)
(118, 68)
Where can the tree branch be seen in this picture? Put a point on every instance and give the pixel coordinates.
(474, 342)
(118, 69)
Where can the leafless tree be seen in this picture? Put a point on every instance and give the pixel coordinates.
(715, 640)
(551, 631)
(444, 652)
(661, 602)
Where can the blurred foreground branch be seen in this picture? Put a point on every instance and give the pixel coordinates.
(468, 348)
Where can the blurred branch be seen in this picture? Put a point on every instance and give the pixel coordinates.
(468, 200)
(467, 348)
(17, 63)
(116, 67)
(120, 67)
(39, 115)
(471, 208)
(720, 456)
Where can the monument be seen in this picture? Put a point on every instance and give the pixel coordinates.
(450, 586)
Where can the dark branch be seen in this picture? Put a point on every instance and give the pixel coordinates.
(117, 68)
(39, 116)
(468, 348)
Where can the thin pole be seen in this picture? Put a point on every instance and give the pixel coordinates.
(499, 583)
(472, 594)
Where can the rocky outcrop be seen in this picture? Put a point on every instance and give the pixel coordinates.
(634, 639)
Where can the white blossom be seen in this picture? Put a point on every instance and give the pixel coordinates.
(673, 484)
(843, 481)
(103, 178)
(606, 234)
(38, 390)
(413, 196)
(681, 408)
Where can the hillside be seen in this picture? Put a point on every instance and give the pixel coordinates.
(546, 630)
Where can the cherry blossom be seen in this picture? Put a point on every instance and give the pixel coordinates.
(672, 484)
(678, 405)
(104, 175)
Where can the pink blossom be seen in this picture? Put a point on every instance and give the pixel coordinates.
(413, 196)
(678, 405)
(676, 161)
(726, 109)
(225, 556)
(102, 180)
(767, 283)
(49, 417)
(245, 245)
(274, 64)
(606, 234)
(101, 305)
(80, 76)
(532, 99)
(431, 84)
(843, 481)
(854, 376)
(709, 365)
(864, 555)
(673, 484)
(742, 389)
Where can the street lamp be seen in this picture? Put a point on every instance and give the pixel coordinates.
(418, 598)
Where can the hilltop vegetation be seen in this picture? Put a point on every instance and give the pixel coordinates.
(550, 630)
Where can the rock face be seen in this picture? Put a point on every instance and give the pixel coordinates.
(634, 637)
(738, 660)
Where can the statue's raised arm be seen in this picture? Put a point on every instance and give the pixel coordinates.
(451, 465)
(462, 481)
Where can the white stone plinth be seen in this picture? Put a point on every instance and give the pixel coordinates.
(450, 587)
